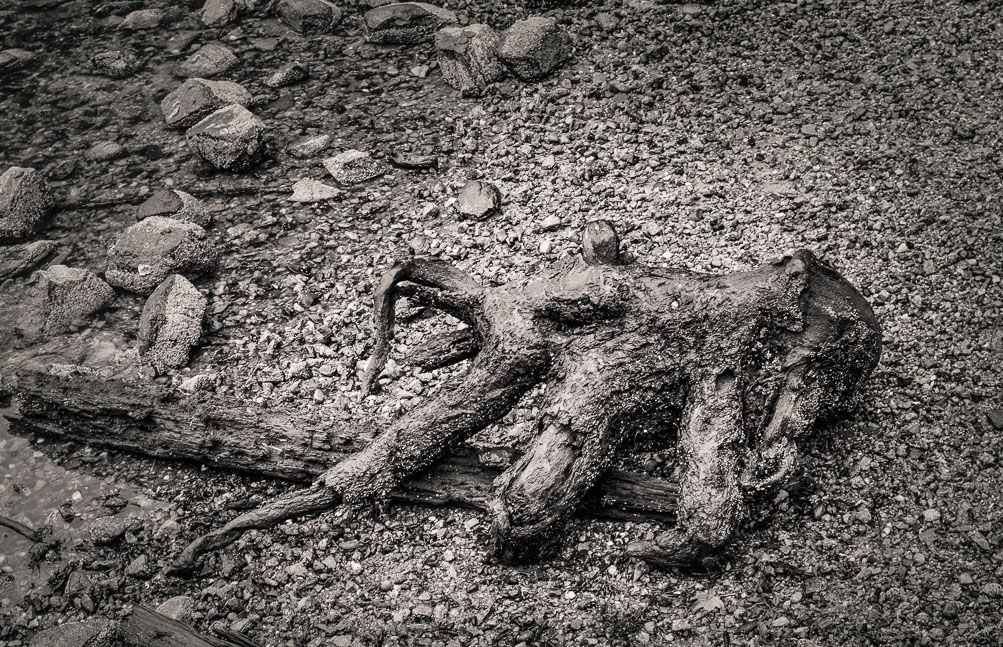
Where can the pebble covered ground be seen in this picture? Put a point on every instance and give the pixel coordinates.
(716, 137)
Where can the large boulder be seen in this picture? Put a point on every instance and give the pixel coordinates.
(25, 201)
(534, 47)
(17, 260)
(195, 99)
(171, 323)
(309, 16)
(58, 298)
(479, 200)
(353, 167)
(405, 23)
(95, 632)
(151, 250)
(231, 138)
(171, 203)
(468, 57)
(211, 59)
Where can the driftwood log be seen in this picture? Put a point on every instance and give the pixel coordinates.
(735, 369)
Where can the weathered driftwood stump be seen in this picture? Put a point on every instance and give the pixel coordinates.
(737, 368)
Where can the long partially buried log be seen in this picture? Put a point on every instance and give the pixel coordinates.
(154, 421)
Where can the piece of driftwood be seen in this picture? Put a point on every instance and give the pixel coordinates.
(144, 627)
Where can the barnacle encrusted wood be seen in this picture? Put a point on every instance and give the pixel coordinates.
(735, 367)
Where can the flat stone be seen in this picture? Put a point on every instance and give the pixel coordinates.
(353, 167)
(15, 59)
(533, 48)
(58, 298)
(414, 161)
(219, 13)
(479, 200)
(171, 323)
(468, 57)
(137, 567)
(25, 201)
(172, 203)
(143, 19)
(151, 250)
(310, 146)
(95, 632)
(180, 608)
(104, 151)
(18, 260)
(115, 64)
(307, 190)
(212, 59)
(309, 16)
(231, 138)
(405, 23)
(290, 73)
(195, 99)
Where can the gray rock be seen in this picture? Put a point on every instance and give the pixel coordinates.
(353, 167)
(195, 99)
(151, 250)
(143, 19)
(25, 201)
(115, 64)
(288, 74)
(95, 632)
(58, 298)
(104, 151)
(137, 567)
(171, 203)
(219, 13)
(171, 324)
(468, 57)
(479, 200)
(310, 147)
(534, 47)
(307, 190)
(106, 530)
(17, 260)
(212, 59)
(309, 16)
(180, 608)
(231, 138)
(405, 23)
(15, 59)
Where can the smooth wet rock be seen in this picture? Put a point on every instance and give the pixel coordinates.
(151, 250)
(212, 59)
(15, 59)
(143, 19)
(219, 13)
(535, 47)
(468, 57)
(18, 260)
(104, 151)
(308, 191)
(353, 167)
(195, 99)
(405, 23)
(115, 64)
(310, 146)
(25, 201)
(171, 323)
(479, 200)
(94, 632)
(231, 138)
(309, 16)
(290, 73)
(172, 203)
(59, 298)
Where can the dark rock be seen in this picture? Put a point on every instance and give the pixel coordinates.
(25, 201)
(468, 57)
(534, 47)
(479, 200)
(405, 23)
(59, 297)
(115, 64)
(171, 323)
(995, 417)
(211, 59)
(143, 19)
(197, 98)
(95, 632)
(107, 530)
(15, 59)
(17, 260)
(231, 138)
(407, 160)
(309, 16)
(352, 167)
(151, 250)
(288, 74)
(219, 13)
(171, 203)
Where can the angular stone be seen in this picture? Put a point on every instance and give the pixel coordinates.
(95, 632)
(115, 64)
(171, 323)
(309, 16)
(17, 260)
(479, 200)
(15, 59)
(307, 190)
(219, 13)
(534, 47)
(180, 608)
(151, 250)
(405, 23)
(288, 74)
(468, 57)
(143, 19)
(25, 201)
(137, 567)
(352, 167)
(309, 147)
(211, 59)
(195, 99)
(58, 298)
(231, 138)
(171, 203)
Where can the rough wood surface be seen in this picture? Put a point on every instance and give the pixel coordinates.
(146, 628)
